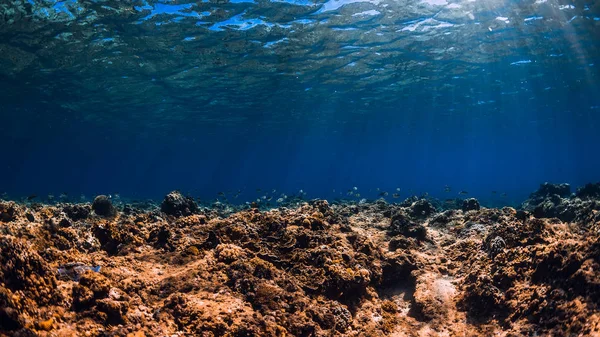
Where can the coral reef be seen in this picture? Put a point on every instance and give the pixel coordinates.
(78, 211)
(589, 191)
(470, 204)
(177, 205)
(102, 206)
(309, 269)
(556, 201)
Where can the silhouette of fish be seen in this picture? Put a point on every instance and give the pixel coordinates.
(73, 271)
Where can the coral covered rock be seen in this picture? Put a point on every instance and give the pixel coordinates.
(177, 205)
(470, 204)
(555, 201)
(401, 224)
(547, 189)
(102, 206)
(26, 283)
(80, 212)
(422, 208)
(8, 211)
(589, 191)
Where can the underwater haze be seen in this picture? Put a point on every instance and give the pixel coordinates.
(140, 97)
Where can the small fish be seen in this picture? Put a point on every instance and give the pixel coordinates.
(355, 188)
(50, 197)
(258, 190)
(82, 197)
(396, 195)
(269, 198)
(280, 200)
(447, 188)
(463, 192)
(264, 197)
(397, 189)
(63, 195)
(449, 201)
(494, 192)
(73, 271)
(221, 194)
(301, 191)
(31, 197)
(274, 191)
(357, 195)
(383, 194)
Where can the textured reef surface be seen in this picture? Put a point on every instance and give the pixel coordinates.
(306, 269)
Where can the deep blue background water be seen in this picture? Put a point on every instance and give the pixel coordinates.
(509, 146)
(315, 96)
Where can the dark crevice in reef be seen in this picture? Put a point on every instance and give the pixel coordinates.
(306, 269)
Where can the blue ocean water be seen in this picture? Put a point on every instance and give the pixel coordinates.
(143, 97)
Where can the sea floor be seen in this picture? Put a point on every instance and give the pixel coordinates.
(307, 269)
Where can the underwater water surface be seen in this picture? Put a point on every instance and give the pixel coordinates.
(140, 97)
